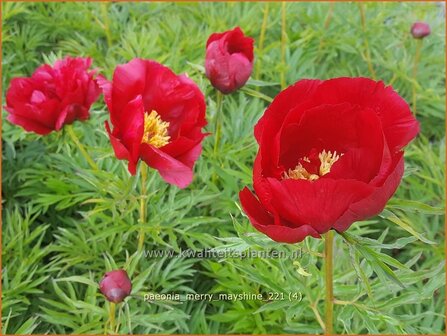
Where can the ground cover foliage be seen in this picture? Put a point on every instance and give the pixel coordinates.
(64, 224)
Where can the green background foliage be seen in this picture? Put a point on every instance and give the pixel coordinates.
(64, 224)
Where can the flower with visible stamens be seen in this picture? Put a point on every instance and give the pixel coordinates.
(157, 117)
(330, 153)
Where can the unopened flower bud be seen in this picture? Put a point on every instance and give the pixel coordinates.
(420, 30)
(115, 286)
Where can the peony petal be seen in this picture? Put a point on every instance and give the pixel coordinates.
(106, 87)
(376, 202)
(132, 127)
(399, 124)
(170, 169)
(319, 203)
(185, 150)
(129, 81)
(264, 222)
(267, 129)
(28, 124)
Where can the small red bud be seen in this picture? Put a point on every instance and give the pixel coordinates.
(115, 286)
(420, 30)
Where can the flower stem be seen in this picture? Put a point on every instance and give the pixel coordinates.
(283, 44)
(261, 39)
(417, 57)
(106, 21)
(143, 171)
(328, 266)
(327, 21)
(112, 308)
(78, 143)
(367, 51)
(329, 16)
(217, 121)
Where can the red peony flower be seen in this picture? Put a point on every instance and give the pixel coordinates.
(115, 286)
(229, 60)
(330, 153)
(420, 30)
(53, 96)
(157, 116)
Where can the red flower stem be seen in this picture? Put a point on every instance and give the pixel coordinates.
(143, 172)
(217, 121)
(78, 143)
(367, 52)
(112, 308)
(283, 44)
(261, 39)
(328, 266)
(417, 57)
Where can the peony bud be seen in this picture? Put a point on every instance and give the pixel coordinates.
(419, 30)
(229, 60)
(115, 286)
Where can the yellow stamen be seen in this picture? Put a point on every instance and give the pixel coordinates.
(300, 173)
(155, 130)
(327, 159)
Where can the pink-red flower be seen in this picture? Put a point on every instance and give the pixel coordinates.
(330, 153)
(53, 96)
(115, 285)
(420, 30)
(157, 117)
(229, 60)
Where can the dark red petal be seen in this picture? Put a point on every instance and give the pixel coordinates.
(170, 169)
(44, 114)
(375, 203)
(132, 127)
(28, 124)
(106, 87)
(319, 203)
(129, 81)
(267, 129)
(234, 41)
(237, 42)
(176, 99)
(399, 124)
(20, 90)
(261, 185)
(264, 222)
(185, 150)
(92, 92)
(60, 121)
(121, 151)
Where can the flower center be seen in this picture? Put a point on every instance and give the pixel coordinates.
(303, 171)
(155, 130)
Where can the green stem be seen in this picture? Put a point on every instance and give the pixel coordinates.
(283, 44)
(78, 143)
(417, 57)
(327, 21)
(329, 15)
(368, 53)
(261, 39)
(112, 308)
(217, 121)
(328, 266)
(143, 171)
(106, 21)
